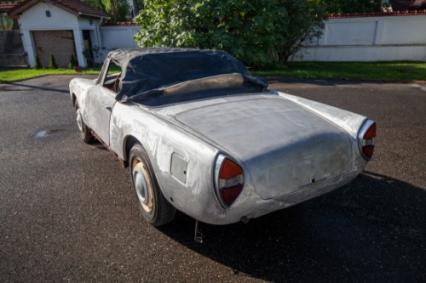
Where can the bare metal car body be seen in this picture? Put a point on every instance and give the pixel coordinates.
(290, 149)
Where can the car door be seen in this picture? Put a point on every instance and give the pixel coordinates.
(100, 102)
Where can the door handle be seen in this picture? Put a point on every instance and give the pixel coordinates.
(108, 108)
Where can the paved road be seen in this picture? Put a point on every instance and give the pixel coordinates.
(67, 211)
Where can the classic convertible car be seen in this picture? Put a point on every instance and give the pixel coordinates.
(201, 135)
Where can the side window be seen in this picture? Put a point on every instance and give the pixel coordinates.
(112, 77)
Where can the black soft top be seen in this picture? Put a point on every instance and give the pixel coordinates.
(146, 69)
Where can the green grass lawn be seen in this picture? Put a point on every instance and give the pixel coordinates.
(383, 71)
(23, 74)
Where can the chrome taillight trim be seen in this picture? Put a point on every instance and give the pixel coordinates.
(361, 141)
(218, 165)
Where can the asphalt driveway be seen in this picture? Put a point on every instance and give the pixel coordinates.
(68, 213)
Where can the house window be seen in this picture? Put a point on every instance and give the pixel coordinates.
(48, 14)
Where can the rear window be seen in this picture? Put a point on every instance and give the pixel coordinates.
(154, 71)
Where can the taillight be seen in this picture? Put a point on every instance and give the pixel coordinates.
(229, 180)
(366, 137)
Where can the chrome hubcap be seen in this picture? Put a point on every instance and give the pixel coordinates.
(142, 185)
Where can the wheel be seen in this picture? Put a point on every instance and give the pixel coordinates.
(85, 133)
(154, 207)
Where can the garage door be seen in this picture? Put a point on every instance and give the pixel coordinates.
(59, 43)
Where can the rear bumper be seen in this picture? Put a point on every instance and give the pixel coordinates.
(250, 205)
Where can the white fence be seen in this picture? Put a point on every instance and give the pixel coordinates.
(385, 38)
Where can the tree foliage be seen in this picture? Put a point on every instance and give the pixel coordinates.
(255, 31)
(352, 6)
(6, 22)
(304, 23)
(117, 9)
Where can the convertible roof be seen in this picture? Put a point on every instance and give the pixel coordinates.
(146, 69)
(122, 56)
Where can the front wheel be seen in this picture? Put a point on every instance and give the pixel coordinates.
(154, 207)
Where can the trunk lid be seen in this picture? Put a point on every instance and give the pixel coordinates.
(281, 145)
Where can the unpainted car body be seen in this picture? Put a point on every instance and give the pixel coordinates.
(289, 149)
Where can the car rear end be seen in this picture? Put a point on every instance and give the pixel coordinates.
(250, 189)
(275, 153)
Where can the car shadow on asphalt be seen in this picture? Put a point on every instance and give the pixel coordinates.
(18, 86)
(372, 229)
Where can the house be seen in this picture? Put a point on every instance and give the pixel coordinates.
(59, 28)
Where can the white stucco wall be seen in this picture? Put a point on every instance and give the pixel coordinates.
(35, 19)
(114, 37)
(387, 38)
(119, 36)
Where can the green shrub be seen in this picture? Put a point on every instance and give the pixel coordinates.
(73, 62)
(352, 6)
(52, 62)
(250, 30)
(118, 10)
(255, 31)
(38, 63)
(304, 23)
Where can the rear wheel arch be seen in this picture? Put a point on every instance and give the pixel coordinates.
(129, 142)
(162, 211)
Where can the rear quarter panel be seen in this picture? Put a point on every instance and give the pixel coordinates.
(161, 139)
(348, 121)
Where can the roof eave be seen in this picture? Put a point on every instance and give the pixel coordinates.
(80, 14)
(18, 10)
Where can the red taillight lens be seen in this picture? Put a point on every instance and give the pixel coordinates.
(371, 132)
(230, 181)
(368, 151)
(229, 169)
(366, 139)
(229, 195)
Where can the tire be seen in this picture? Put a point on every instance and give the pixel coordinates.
(85, 134)
(154, 207)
